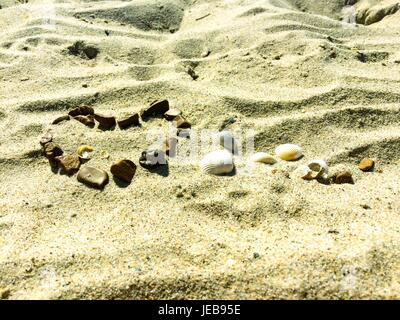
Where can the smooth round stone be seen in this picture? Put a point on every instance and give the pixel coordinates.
(344, 177)
(124, 170)
(93, 177)
(366, 165)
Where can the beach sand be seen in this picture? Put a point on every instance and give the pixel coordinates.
(290, 71)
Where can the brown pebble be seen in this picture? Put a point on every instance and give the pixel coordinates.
(81, 111)
(51, 150)
(86, 120)
(61, 119)
(171, 114)
(105, 122)
(128, 121)
(343, 177)
(181, 122)
(5, 293)
(124, 170)
(366, 165)
(46, 138)
(157, 108)
(93, 177)
(69, 163)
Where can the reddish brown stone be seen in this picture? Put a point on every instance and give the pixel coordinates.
(61, 119)
(366, 164)
(171, 114)
(51, 150)
(343, 177)
(105, 122)
(181, 122)
(127, 121)
(157, 108)
(124, 170)
(81, 111)
(69, 163)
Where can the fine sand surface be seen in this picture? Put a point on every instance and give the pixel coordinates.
(289, 70)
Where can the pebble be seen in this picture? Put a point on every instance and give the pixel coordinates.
(343, 177)
(124, 170)
(51, 150)
(181, 122)
(157, 108)
(93, 177)
(69, 163)
(105, 122)
(86, 120)
(46, 138)
(81, 111)
(5, 293)
(366, 165)
(205, 53)
(61, 119)
(127, 121)
(171, 114)
(152, 158)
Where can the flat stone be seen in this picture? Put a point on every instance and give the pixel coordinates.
(61, 119)
(181, 122)
(51, 150)
(46, 138)
(86, 120)
(366, 165)
(152, 158)
(171, 114)
(157, 108)
(105, 122)
(69, 163)
(343, 177)
(93, 177)
(81, 111)
(124, 170)
(128, 121)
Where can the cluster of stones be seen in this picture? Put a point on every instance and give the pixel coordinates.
(345, 176)
(123, 170)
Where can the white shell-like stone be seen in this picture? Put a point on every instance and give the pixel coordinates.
(303, 172)
(217, 162)
(319, 168)
(313, 170)
(263, 157)
(289, 152)
(84, 152)
(226, 140)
